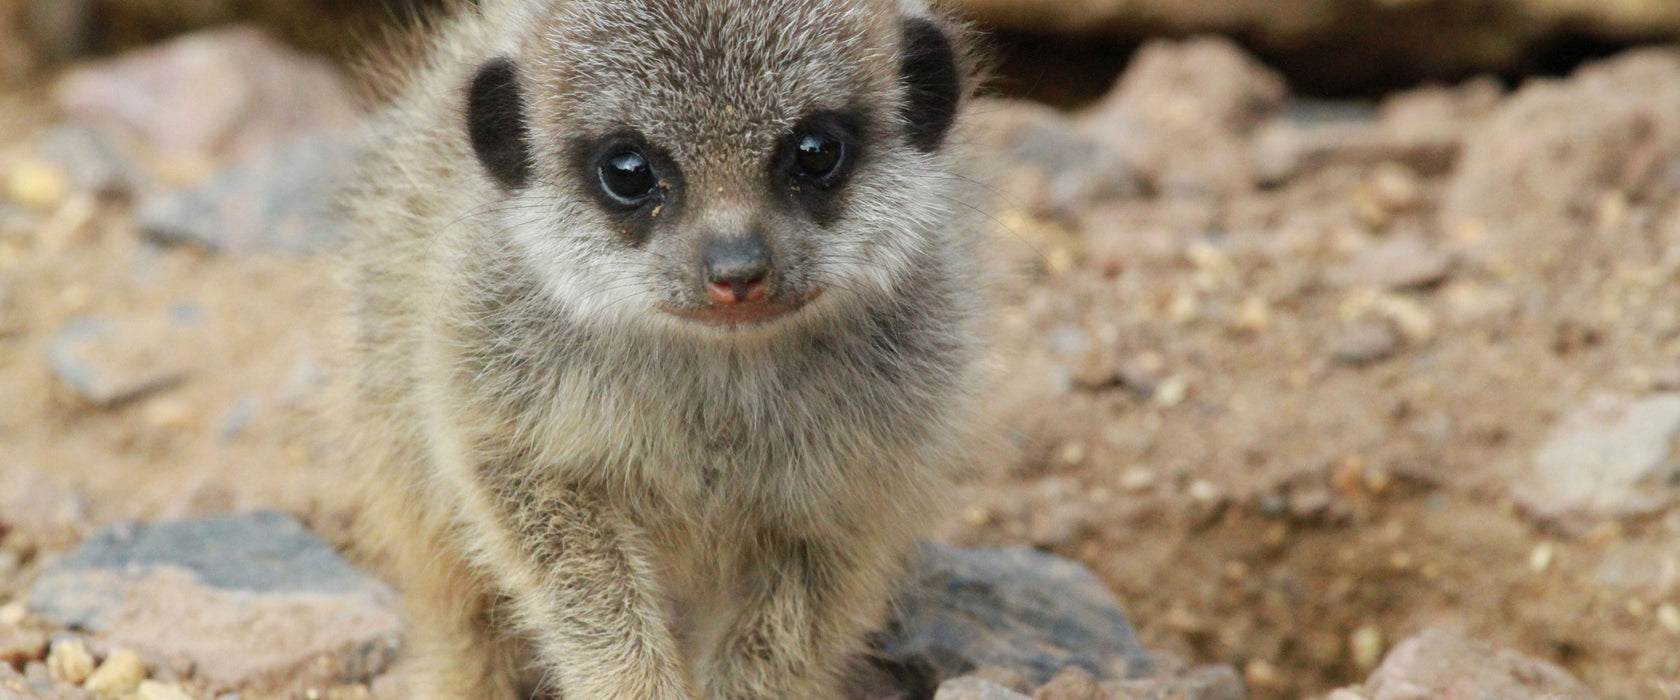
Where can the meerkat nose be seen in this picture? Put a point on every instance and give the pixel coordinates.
(737, 270)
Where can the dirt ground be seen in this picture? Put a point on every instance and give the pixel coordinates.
(1181, 419)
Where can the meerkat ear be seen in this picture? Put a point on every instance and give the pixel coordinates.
(932, 83)
(496, 123)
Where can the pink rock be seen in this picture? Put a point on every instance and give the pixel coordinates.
(224, 93)
(1556, 145)
(1441, 665)
(1183, 112)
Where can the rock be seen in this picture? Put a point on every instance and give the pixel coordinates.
(1420, 129)
(122, 672)
(1072, 683)
(13, 686)
(1610, 458)
(282, 201)
(972, 688)
(111, 362)
(153, 690)
(1365, 343)
(1554, 147)
(1401, 262)
(1441, 665)
(1203, 683)
(251, 601)
(1014, 608)
(1182, 111)
(69, 661)
(36, 184)
(93, 162)
(1283, 149)
(219, 94)
(21, 646)
(47, 514)
(1074, 170)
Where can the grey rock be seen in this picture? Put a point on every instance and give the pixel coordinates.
(281, 201)
(93, 162)
(109, 362)
(1203, 683)
(1401, 262)
(250, 600)
(1284, 148)
(1074, 170)
(1012, 608)
(1610, 458)
(971, 688)
(1365, 343)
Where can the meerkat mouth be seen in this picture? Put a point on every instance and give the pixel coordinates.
(745, 315)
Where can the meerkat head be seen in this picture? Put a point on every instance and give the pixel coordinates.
(719, 165)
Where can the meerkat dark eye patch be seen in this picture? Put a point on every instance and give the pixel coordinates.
(932, 83)
(815, 159)
(496, 123)
(637, 183)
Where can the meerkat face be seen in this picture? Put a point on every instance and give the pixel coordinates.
(725, 165)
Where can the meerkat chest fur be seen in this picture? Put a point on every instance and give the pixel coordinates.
(685, 286)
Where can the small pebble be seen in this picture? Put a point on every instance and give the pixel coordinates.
(21, 646)
(1260, 673)
(1365, 344)
(1071, 683)
(170, 414)
(122, 671)
(11, 614)
(1254, 315)
(1396, 185)
(1137, 479)
(1637, 609)
(1006, 677)
(1172, 392)
(153, 690)
(1415, 321)
(1204, 491)
(37, 184)
(69, 661)
(1669, 617)
(1541, 558)
(1366, 645)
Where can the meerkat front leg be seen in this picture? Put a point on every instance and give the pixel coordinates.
(806, 609)
(582, 592)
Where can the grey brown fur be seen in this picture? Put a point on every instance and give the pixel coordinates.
(566, 470)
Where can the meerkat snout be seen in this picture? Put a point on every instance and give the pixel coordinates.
(737, 270)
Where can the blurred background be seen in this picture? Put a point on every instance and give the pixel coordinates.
(1332, 322)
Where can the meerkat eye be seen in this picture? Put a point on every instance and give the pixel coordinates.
(818, 156)
(627, 177)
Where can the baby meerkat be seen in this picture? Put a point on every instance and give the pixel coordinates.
(667, 339)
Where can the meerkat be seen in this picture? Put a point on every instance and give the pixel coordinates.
(668, 337)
